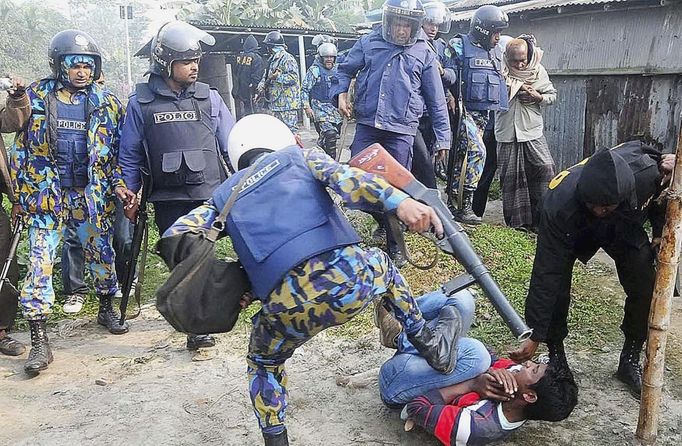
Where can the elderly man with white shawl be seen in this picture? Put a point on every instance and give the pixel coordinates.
(526, 165)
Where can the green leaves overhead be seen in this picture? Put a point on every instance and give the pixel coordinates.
(316, 14)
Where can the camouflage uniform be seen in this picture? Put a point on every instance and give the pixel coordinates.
(324, 291)
(324, 113)
(48, 207)
(470, 144)
(283, 92)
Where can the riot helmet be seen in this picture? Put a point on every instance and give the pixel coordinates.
(274, 38)
(176, 41)
(402, 21)
(437, 14)
(323, 38)
(486, 21)
(73, 42)
(327, 50)
(254, 135)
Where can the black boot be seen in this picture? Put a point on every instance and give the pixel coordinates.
(108, 317)
(629, 370)
(466, 213)
(41, 354)
(10, 346)
(437, 340)
(280, 439)
(195, 342)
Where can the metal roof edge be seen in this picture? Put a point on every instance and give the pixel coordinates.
(544, 5)
(241, 29)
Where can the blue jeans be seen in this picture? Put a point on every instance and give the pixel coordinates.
(407, 375)
(73, 261)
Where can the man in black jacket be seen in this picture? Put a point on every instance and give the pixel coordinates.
(602, 202)
(248, 73)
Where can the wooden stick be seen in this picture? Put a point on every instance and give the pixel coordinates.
(659, 317)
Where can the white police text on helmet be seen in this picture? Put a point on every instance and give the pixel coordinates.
(157, 56)
(481, 30)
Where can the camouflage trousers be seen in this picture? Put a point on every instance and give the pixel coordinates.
(326, 291)
(470, 145)
(289, 117)
(37, 293)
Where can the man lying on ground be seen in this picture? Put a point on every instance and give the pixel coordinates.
(473, 404)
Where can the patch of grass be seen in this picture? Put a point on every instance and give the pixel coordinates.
(508, 255)
(495, 192)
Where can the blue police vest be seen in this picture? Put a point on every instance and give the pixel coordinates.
(72, 149)
(181, 143)
(484, 86)
(322, 89)
(283, 216)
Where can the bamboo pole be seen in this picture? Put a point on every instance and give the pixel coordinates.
(659, 317)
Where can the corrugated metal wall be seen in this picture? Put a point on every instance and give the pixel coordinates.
(634, 41)
(594, 112)
(565, 121)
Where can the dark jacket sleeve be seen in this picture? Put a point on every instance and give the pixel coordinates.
(257, 70)
(352, 63)
(434, 97)
(14, 115)
(550, 282)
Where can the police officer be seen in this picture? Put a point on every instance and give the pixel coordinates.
(479, 61)
(396, 78)
(280, 86)
(325, 38)
(436, 22)
(63, 172)
(602, 202)
(248, 74)
(305, 265)
(178, 128)
(317, 100)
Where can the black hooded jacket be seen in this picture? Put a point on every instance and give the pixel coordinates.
(248, 72)
(626, 175)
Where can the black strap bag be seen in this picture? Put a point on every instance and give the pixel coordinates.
(202, 293)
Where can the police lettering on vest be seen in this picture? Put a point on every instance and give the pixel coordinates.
(71, 155)
(180, 116)
(68, 124)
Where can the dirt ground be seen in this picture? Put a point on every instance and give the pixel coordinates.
(145, 388)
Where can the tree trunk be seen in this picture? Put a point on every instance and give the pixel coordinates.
(659, 317)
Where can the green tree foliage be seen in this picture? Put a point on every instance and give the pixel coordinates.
(26, 32)
(28, 26)
(317, 14)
